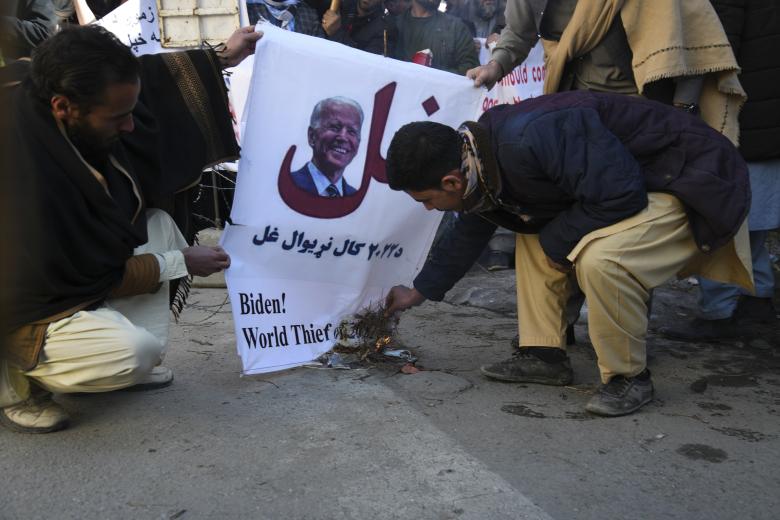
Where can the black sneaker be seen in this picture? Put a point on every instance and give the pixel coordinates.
(525, 366)
(752, 309)
(699, 329)
(622, 395)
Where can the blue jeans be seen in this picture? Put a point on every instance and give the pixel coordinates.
(718, 300)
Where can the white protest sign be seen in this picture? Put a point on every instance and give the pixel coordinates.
(301, 262)
(135, 24)
(238, 80)
(524, 82)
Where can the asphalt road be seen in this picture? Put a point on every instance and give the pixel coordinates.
(442, 444)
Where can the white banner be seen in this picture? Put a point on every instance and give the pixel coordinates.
(303, 262)
(524, 82)
(135, 24)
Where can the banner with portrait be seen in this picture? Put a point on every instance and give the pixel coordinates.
(317, 233)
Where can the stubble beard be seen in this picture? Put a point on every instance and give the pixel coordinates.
(91, 145)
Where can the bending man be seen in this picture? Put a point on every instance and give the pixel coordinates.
(625, 192)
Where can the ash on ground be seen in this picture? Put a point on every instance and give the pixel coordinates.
(367, 338)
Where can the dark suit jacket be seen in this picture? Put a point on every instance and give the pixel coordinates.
(302, 179)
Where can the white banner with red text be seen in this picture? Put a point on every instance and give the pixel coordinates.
(524, 82)
(305, 258)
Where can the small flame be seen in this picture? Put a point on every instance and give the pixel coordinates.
(382, 342)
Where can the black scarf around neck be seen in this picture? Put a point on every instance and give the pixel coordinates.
(76, 238)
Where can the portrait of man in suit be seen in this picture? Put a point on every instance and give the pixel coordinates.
(334, 137)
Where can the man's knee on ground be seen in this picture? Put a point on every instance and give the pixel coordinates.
(124, 357)
(143, 350)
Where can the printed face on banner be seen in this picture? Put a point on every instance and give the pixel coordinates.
(318, 235)
(335, 137)
(334, 145)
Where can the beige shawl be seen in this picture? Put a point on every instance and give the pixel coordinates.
(668, 39)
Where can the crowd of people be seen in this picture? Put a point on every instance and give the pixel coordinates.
(393, 28)
(655, 152)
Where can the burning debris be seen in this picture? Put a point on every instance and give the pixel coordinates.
(368, 333)
(367, 336)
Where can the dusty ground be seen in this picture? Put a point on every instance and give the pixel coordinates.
(442, 444)
(707, 447)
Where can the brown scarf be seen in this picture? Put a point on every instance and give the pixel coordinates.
(589, 23)
(668, 39)
(479, 168)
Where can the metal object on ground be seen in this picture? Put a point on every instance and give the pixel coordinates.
(401, 354)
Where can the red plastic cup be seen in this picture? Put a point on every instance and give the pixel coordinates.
(424, 57)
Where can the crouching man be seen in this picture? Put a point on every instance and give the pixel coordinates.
(625, 192)
(91, 134)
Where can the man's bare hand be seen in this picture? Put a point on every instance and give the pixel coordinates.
(240, 45)
(486, 75)
(205, 260)
(490, 39)
(401, 298)
(331, 22)
(559, 267)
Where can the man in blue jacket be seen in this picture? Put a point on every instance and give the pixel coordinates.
(624, 192)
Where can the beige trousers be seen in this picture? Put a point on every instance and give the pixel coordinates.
(106, 349)
(616, 267)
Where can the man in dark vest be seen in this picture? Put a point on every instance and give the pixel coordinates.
(92, 134)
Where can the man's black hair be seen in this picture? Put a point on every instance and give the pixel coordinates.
(80, 63)
(421, 154)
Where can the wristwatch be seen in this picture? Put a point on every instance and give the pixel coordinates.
(691, 108)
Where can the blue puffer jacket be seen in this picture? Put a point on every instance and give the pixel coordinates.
(574, 162)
